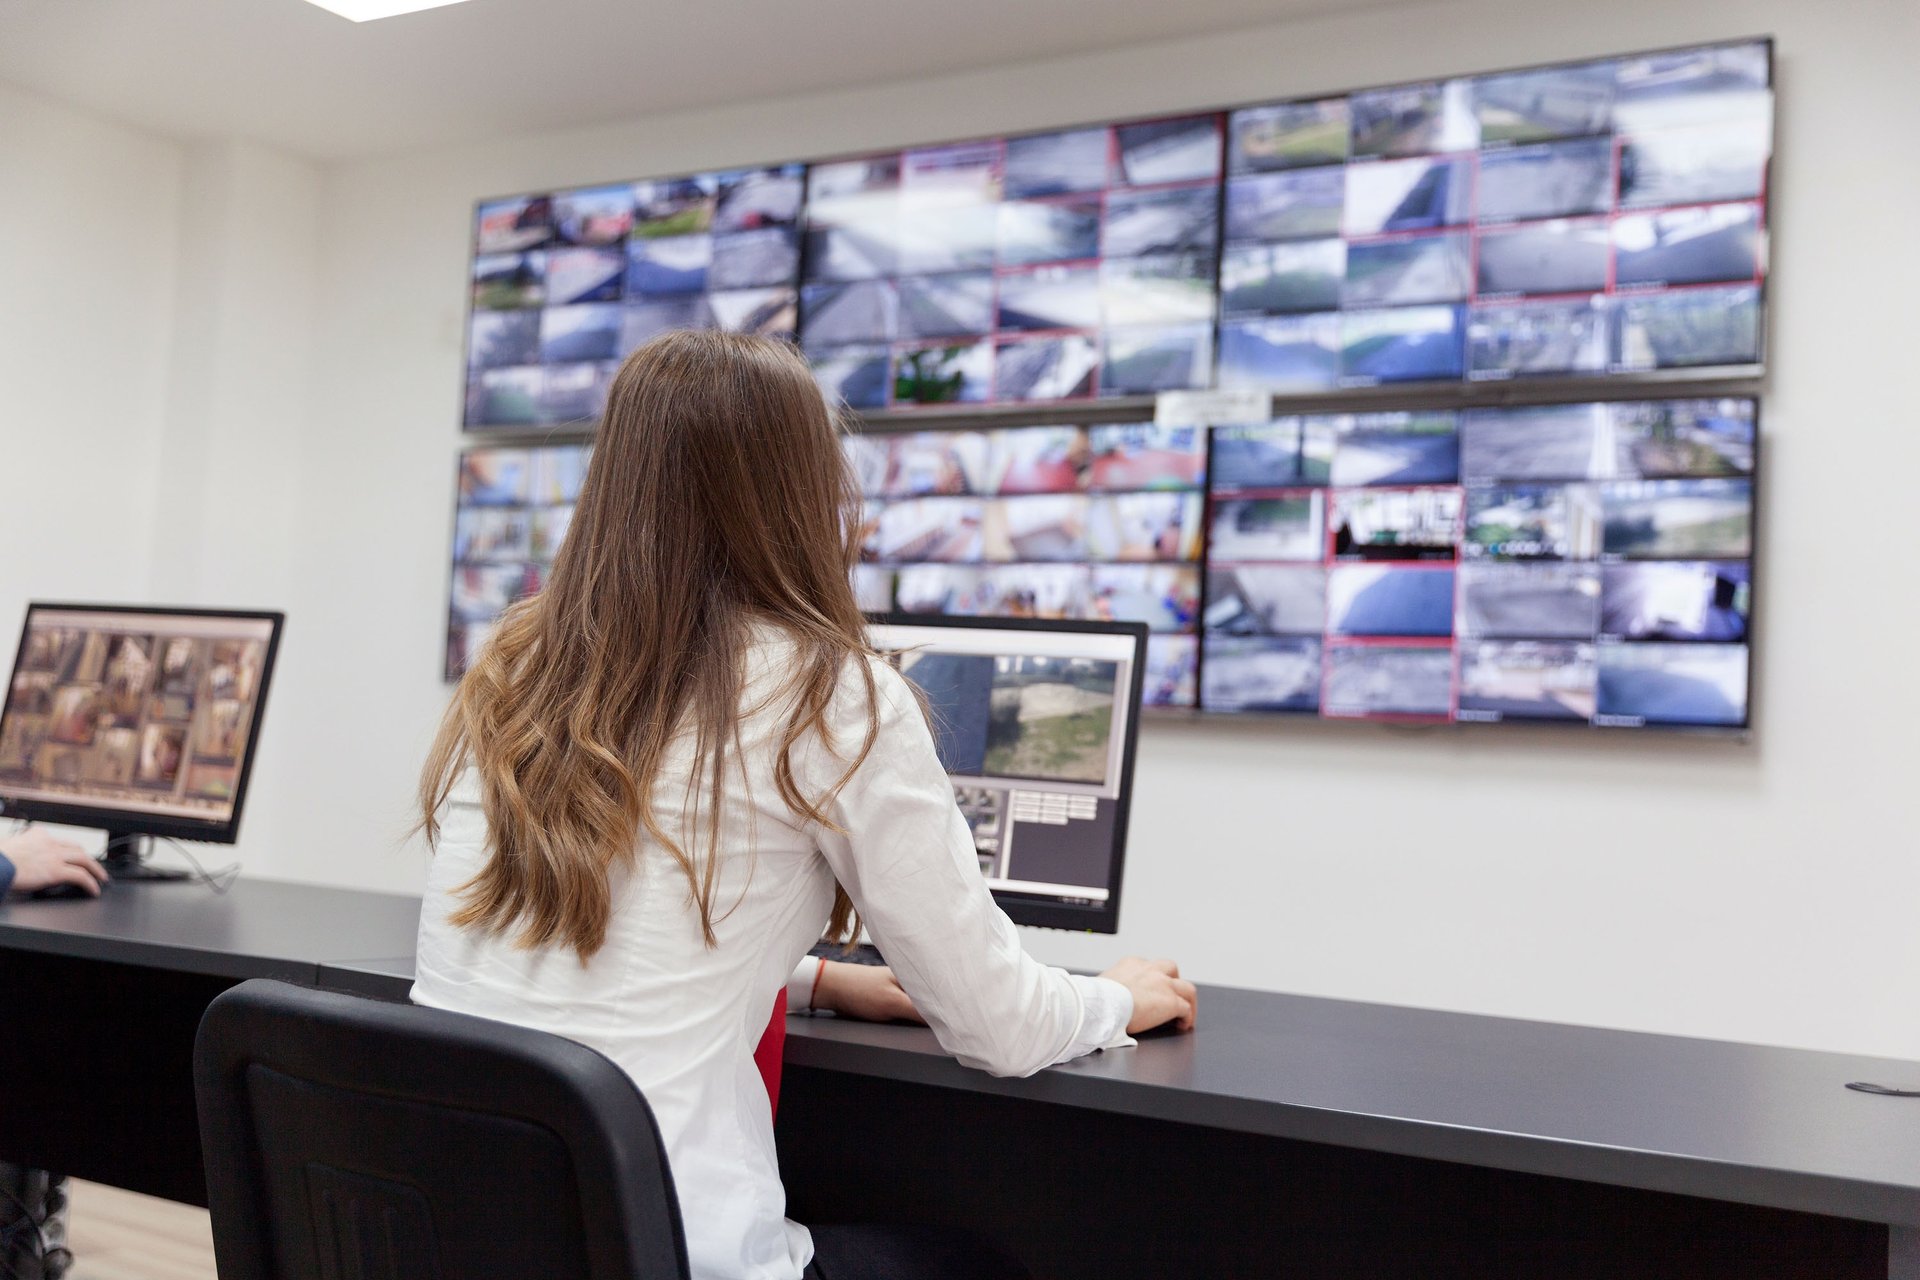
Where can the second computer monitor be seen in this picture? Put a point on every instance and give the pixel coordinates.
(1036, 724)
(138, 721)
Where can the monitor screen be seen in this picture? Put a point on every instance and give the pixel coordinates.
(1092, 523)
(512, 509)
(1581, 220)
(1035, 723)
(1572, 563)
(1586, 220)
(566, 283)
(134, 719)
(1051, 266)
(1586, 563)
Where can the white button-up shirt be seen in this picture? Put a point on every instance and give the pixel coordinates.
(682, 1019)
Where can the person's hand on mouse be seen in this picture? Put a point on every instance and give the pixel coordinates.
(869, 992)
(1160, 994)
(41, 860)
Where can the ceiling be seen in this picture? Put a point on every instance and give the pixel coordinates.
(286, 73)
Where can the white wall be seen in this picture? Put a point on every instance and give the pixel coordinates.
(238, 411)
(238, 405)
(88, 224)
(1761, 892)
(155, 347)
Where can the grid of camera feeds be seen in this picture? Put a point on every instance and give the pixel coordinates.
(1046, 267)
(1578, 220)
(566, 284)
(1098, 522)
(512, 510)
(1586, 563)
(130, 711)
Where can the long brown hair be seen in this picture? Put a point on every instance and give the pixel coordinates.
(718, 496)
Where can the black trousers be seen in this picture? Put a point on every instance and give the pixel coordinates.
(908, 1253)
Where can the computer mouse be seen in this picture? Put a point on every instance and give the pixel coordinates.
(62, 890)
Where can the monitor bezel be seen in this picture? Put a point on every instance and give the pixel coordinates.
(1038, 911)
(119, 822)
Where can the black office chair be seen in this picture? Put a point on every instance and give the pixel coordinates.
(349, 1139)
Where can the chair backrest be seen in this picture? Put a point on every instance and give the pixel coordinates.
(352, 1139)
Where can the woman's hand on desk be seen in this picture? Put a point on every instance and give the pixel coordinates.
(1160, 994)
(872, 994)
(865, 991)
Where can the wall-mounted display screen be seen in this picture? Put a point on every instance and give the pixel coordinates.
(566, 283)
(1579, 220)
(1048, 267)
(512, 508)
(1096, 523)
(1586, 562)
(1599, 219)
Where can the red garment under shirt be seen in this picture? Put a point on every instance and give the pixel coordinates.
(773, 1044)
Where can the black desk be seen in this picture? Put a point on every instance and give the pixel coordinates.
(1288, 1135)
(257, 929)
(99, 999)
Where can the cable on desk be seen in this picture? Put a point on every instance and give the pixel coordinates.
(220, 879)
(1884, 1090)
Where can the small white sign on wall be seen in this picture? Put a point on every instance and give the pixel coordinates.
(1211, 408)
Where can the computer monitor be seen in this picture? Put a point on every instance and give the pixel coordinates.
(1036, 724)
(138, 721)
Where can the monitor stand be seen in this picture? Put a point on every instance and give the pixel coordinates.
(126, 858)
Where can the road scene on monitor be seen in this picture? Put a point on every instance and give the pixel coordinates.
(1383, 680)
(1531, 601)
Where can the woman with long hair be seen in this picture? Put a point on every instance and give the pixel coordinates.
(668, 772)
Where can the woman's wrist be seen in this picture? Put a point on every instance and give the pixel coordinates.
(867, 992)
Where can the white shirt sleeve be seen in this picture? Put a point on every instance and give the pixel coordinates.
(905, 856)
(1109, 1008)
(800, 986)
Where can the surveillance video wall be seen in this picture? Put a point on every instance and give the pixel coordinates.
(512, 509)
(1584, 220)
(566, 283)
(1047, 267)
(1587, 563)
